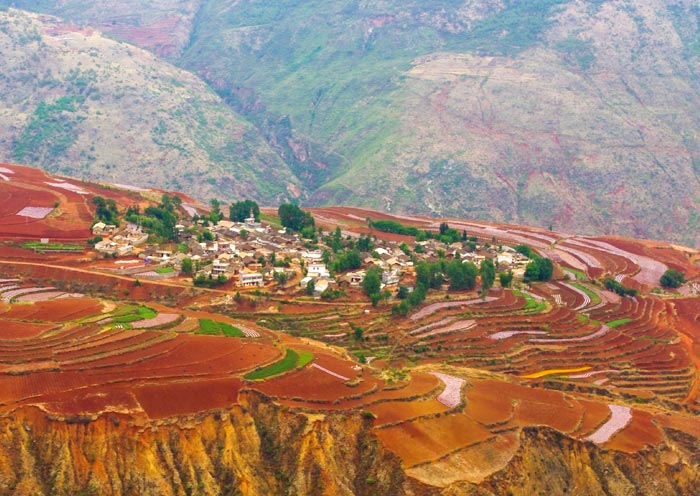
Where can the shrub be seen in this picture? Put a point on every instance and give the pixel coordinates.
(672, 279)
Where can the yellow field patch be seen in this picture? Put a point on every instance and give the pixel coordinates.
(543, 373)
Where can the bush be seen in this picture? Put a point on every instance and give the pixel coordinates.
(240, 211)
(294, 218)
(540, 269)
(506, 278)
(672, 279)
(331, 294)
(614, 286)
(203, 281)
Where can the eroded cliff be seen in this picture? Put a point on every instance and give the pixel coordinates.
(259, 447)
(254, 448)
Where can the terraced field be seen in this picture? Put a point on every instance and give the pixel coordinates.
(82, 357)
(452, 388)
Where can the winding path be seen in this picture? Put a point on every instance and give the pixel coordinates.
(621, 416)
(451, 396)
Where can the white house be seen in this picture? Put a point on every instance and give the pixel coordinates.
(219, 267)
(247, 279)
(316, 270)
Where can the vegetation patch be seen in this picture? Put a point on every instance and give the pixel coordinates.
(304, 358)
(532, 305)
(577, 273)
(210, 327)
(617, 323)
(35, 245)
(131, 313)
(289, 362)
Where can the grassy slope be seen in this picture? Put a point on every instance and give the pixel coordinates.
(580, 115)
(84, 105)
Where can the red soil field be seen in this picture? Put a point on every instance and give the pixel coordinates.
(559, 414)
(91, 402)
(392, 412)
(314, 385)
(21, 330)
(674, 257)
(70, 221)
(62, 310)
(594, 415)
(487, 404)
(166, 383)
(429, 439)
(80, 279)
(179, 398)
(637, 435)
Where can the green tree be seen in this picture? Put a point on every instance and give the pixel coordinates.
(310, 287)
(336, 242)
(488, 274)
(672, 279)
(105, 211)
(240, 211)
(326, 256)
(215, 215)
(461, 275)
(540, 269)
(159, 220)
(526, 250)
(506, 279)
(294, 218)
(372, 282)
(205, 235)
(186, 266)
(349, 260)
(364, 243)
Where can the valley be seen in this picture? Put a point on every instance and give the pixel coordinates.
(576, 115)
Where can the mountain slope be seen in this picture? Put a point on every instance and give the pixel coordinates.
(161, 26)
(80, 104)
(582, 115)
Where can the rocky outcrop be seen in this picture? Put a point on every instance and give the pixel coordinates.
(258, 447)
(252, 448)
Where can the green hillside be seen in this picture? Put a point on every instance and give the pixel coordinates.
(578, 115)
(583, 116)
(80, 104)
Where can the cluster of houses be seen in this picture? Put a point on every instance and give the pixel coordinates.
(118, 243)
(254, 255)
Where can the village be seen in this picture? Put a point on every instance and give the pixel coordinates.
(254, 255)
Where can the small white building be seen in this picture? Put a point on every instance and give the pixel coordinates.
(164, 254)
(305, 281)
(248, 279)
(219, 267)
(390, 277)
(316, 270)
(312, 256)
(355, 278)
